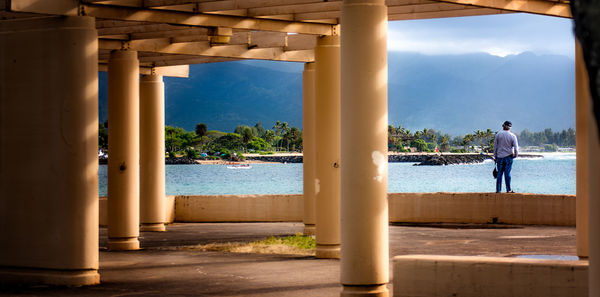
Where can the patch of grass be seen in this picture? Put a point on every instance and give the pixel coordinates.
(297, 244)
(298, 240)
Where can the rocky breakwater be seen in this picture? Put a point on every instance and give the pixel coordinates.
(180, 161)
(445, 159)
(453, 159)
(276, 159)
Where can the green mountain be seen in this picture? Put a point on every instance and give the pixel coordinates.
(453, 93)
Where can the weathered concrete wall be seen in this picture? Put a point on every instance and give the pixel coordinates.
(239, 208)
(169, 210)
(430, 275)
(481, 208)
(521, 209)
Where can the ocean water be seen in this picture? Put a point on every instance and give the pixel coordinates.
(552, 174)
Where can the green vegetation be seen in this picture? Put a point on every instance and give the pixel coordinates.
(402, 140)
(297, 244)
(298, 240)
(213, 144)
(204, 143)
(427, 140)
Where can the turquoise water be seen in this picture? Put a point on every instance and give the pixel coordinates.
(553, 174)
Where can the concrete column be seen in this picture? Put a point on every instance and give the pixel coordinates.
(327, 182)
(365, 252)
(593, 202)
(582, 118)
(49, 151)
(123, 151)
(152, 153)
(308, 147)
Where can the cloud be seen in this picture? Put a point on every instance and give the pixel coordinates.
(499, 35)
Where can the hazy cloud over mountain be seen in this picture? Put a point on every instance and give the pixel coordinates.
(498, 35)
(453, 93)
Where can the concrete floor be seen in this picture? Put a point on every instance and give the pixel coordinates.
(160, 269)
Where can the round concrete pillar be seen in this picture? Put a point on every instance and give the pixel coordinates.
(327, 127)
(308, 147)
(364, 115)
(582, 118)
(123, 151)
(49, 151)
(152, 153)
(594, 207)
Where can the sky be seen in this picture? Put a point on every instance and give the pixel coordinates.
(499, 35)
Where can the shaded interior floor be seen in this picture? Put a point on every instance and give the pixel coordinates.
(160, 269)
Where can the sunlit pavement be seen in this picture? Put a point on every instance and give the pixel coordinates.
(161, 269)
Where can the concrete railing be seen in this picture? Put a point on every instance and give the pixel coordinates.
(520, 209)
(169, 210)
(239, 208)
(433, 275)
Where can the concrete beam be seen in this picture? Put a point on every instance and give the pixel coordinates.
(550, 8)
(204, 49)
(170, 71)
(445, 14)
(73, 7)
(213, 5)
(204, 20)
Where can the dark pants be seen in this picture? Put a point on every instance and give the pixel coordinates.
(504, 167)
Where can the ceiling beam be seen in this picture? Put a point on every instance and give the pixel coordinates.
(294, 9)
(229, 4)
(170, 71)
(550, 8)
(444, 14)
(205, 20)
(73, 7)
(164, 46)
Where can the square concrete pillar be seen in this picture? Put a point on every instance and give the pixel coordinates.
(48, 151)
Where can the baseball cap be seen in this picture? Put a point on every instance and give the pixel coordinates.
(507, 123)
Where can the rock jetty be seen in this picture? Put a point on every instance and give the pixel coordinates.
(420, 159)
(277, 159)
(452, 159)
(180, 161)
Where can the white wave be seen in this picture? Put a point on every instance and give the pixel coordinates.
(559, 156)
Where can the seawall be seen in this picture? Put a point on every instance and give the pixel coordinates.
(474, 208)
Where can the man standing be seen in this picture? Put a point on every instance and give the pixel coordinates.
(506, 148)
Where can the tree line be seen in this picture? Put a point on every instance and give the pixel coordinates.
(213, 143)
(427, 140)
(283, 137)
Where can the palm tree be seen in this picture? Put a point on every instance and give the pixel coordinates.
(489, 136)
(277, 132)
(467, 140)
(478, 137)
(444, 144)
(284, 130)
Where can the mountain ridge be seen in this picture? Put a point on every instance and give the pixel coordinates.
(452, 93)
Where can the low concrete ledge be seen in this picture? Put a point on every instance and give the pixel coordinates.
(169, 210)
(239, 208)
(478, 208)
(481, 208)
(432, 276)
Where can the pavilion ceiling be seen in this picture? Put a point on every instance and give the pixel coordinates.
(183, 32)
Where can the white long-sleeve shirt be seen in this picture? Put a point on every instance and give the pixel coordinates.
(505, 144)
